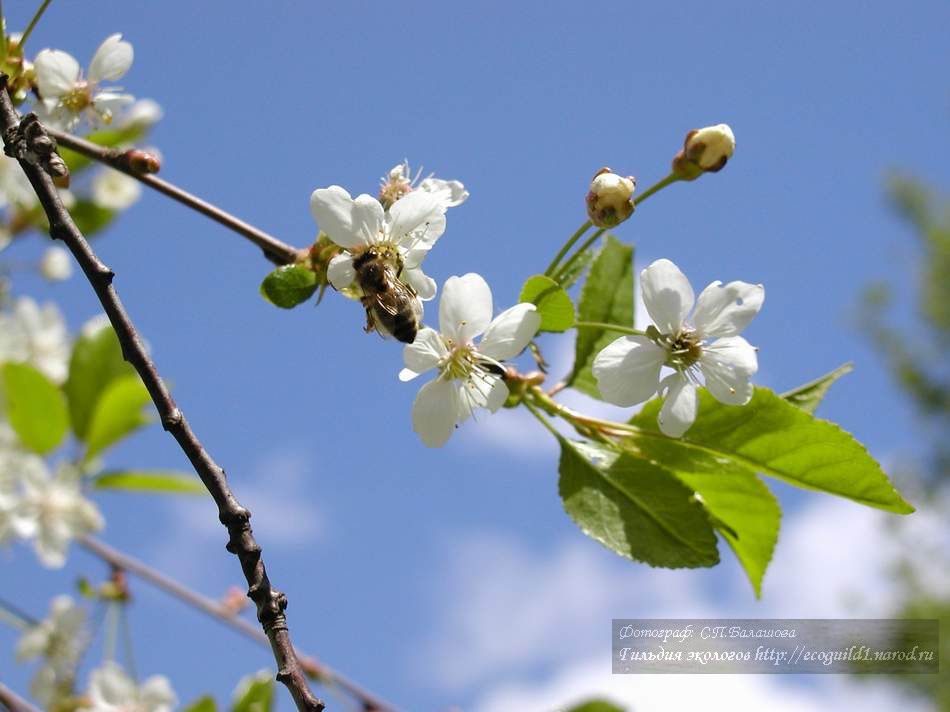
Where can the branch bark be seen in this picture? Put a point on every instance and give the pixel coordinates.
(13, 702)
(276, 251)
(269, 601)
(221, 613)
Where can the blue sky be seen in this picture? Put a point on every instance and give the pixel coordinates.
(402, 563)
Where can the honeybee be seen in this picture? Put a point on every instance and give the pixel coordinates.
(392, 307)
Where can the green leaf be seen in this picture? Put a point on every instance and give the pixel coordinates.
(596, 706)
(634, 507)
(258, 695)
(35, 407)
(117, 413)
(86, 589)
(808, 395)
(745, 513)
(576, 270)
(289, 285)
(606, 297)
(203, 704)
(772, 436)
(96, 361)
(554, 304)
(90, 217)
(157, 481)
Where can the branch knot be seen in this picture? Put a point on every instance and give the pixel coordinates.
(29, 142)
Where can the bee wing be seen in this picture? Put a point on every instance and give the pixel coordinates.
(387, 301)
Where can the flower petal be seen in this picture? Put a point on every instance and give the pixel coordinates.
(450, 193)
(56, 73)
(340, 271)
(667, 295)
(510, 332)
(727, 310)
(628, 370)
(417, 279)
(411, 211)
(727, 365)
(679, 407)
(425, 352)
(349, 223)
(111, 61)
(465, 308)
(480, 390)
(435, 412)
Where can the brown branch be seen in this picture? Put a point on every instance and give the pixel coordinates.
(227, 616)
(270, 602)
(12, 701)
(276, 251)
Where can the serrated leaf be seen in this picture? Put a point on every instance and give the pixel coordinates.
(96, 361)
(36, 408)
(606, 297)
(772, 436)
(258, 697)
(289, 285)
(117, 413)
(808, 395)
(156, 481)
(576, 269)
(203, 704)
(596, 706)
(634, 507)
(554, 304)
(91, 217)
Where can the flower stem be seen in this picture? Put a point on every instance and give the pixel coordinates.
(544, 421)
(608, 327)
(580, 250)
(656, 188)
(36, 18)
(15, 617)
(567, 246)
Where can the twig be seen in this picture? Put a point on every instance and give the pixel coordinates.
(225, 615)
(275, 250)
(13, 702)
(270, 602)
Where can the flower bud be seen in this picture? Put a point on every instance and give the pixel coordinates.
(143, 161)
(55, 265)
(705, 150)
(609, 201)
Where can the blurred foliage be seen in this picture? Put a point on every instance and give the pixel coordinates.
(916, 355)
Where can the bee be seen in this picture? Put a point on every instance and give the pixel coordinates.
(392, 307)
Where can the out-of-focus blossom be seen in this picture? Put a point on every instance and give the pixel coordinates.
(112, 690)
(56, 265)
(115, 190)
(36, 335)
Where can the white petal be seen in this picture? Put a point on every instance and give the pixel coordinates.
(425, 352)
(33, 642)
(727, 365)
(628, 370)
(417, 279)
(411, 211)
(108, 103)
(435, 412)
(480, 390)
(450, 193)
(338, 216)
(498, 394)
(667, 295)
(465, 308)
(340, 271)
(679, 407)
(510, 332)
(727, 310)
(56, 73)
(157, 695)
(111, 61)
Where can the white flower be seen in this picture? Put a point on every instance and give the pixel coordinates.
(15, 188)
(628, 370)
(405, 233)
(111, 690)
(115, 190)
(36, 335)
(51, 510)
(397, 183)
(56, 265)
(67, 96)
(469, 374)
(60, 640)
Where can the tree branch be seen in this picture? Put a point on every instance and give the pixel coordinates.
(225, 615)
(13, 702)
(269, 601)
(276, 251)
